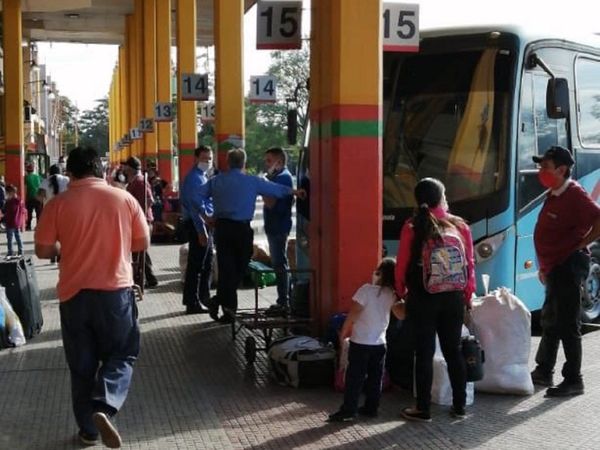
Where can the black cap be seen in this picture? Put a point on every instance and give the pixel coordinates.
(557, 154)
(134, 163)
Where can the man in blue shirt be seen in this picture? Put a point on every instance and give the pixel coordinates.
(278, 223)
(195, 209)
(234, 199)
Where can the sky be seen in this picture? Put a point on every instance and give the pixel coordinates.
(83, 72)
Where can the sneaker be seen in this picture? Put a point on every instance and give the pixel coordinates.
(195, 309)
(109, 434)
(566, 389)
(458, 412)
(87, 438)
(414, 415)
(542, 378)
(367, 412)
(341, 416)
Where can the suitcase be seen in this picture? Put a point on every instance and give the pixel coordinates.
(19, 279)
(302, 361)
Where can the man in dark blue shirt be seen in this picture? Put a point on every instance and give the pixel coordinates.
(234, 199)
(195, 208)
(278, 223)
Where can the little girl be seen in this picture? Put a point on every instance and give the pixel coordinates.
(366, 324)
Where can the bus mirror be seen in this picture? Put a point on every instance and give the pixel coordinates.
(557, 98)
(292, 126)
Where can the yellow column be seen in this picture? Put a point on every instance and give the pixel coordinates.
(133, 81)
(13, 93)
(124, 93)
(229, 82)
(139, 61)
(117, 109)
(150, 144)
(186, 63)
(345, 146)
(111, 119)
(163, 88)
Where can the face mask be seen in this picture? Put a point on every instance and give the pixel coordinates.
(547, 179)
(271, 170)
(203, 166)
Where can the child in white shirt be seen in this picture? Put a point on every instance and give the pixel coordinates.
(366, 324)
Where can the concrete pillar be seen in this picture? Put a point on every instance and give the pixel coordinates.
(124, 105)
(345, 163)
(229, 82)
(150, 141)
(132, 80)
(163, 88)
(186, 63)
(13, 94)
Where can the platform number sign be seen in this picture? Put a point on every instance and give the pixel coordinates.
(400, 27)
(207, 112)
(194, 86)
(146, 125)
(135, 134)
(263, 89)
(163, 112)
(278, 25)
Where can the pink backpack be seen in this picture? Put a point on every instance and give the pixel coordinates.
(444, 263)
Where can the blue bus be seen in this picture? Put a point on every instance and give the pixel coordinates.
(472, 108)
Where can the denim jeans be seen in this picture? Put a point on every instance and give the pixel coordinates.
(365, 368)
(278, 250)
(101, 339)
(10, 232)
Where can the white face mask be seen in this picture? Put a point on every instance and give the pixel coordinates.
(204, 166)
(271, 170)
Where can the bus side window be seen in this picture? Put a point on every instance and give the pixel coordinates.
(588, 100)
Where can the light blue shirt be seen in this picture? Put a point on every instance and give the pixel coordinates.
(234, 194)
(192, 203)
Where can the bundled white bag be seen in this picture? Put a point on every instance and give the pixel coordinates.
(502, 324)
(441, 390)
(16, 336)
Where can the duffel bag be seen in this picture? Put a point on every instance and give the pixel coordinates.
(301, 361)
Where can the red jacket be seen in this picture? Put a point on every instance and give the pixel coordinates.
(13, 213)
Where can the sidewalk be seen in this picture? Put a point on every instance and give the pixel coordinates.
(191, 390)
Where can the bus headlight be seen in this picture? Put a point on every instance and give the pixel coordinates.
(485, 249)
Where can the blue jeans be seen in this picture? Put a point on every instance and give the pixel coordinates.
(10, 232)
(365, 369)
(278, 250)
(102, 341)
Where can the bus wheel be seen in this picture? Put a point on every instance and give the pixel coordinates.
(591, 291)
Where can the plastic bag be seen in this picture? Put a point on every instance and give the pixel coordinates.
(502, 324)
(16, 336)
(441, 390)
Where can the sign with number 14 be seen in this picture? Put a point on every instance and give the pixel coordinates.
(263, 89)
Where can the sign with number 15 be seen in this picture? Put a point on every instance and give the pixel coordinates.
(400, 27)
(278, 25)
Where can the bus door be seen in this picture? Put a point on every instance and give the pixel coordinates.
(536, 133)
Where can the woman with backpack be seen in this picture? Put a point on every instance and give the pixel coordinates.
(435, 275)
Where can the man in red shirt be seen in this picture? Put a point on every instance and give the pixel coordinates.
(139, 187)
(568, 222)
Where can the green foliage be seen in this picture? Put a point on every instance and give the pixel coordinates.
(93, 127)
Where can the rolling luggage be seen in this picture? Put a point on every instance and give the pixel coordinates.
(19, 279)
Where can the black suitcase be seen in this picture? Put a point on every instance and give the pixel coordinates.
(18, 278)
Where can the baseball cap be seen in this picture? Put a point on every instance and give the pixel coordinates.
(557, 154)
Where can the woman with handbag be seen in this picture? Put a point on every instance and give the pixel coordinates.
(435, 275)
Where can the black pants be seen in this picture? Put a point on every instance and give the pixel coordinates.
(561, 316)
(33, 204)
(234, 249)
(365, 368)
(148, 271)
(196, 288)
(442, 314)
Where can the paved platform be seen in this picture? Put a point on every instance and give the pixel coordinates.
(192, 390)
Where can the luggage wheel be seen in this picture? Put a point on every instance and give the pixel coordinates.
(250, 349)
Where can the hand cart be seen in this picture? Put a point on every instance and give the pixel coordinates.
(259, 320)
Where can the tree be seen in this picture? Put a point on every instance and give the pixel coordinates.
(93, 127)
(68, 121)
(266, 123)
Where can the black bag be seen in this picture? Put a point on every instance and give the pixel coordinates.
(474, 357)
(400, 355)
(19, 279)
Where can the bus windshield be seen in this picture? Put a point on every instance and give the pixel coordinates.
(447, 115)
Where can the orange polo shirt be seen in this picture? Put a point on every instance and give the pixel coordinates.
(95, 225)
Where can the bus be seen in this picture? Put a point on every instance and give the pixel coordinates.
(471, 108)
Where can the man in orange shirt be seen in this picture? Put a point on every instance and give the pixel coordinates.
(95, 227)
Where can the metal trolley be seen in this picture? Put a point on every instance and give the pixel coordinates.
(262, 324)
